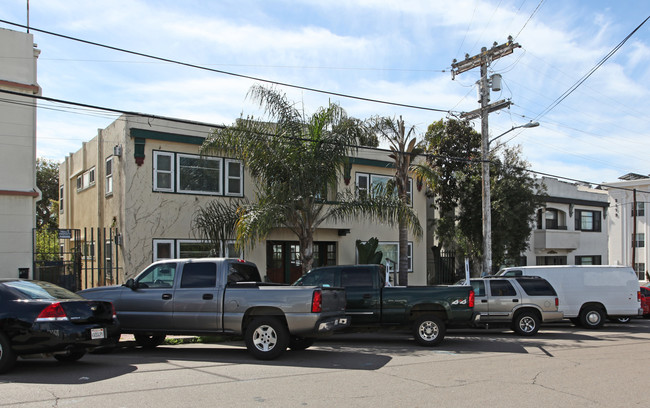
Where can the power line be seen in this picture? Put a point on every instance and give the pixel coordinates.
(530, 18)
(186, 64)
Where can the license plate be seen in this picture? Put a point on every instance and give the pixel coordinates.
(97, 334)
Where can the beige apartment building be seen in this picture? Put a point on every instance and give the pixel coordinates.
(18, 191)
(128, 193)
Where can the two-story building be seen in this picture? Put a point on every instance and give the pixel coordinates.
(18, 190)
(572, 227)
(628, 223)
(130, 193)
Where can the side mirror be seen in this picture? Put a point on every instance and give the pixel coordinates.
(130, 283)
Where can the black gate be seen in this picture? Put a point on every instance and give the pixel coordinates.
(77, 259)
(444, 266)
(57, 257)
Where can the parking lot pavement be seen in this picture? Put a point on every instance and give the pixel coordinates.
(562, 366)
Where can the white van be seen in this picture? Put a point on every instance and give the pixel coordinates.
(589, 294)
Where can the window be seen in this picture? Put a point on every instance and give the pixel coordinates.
(589, 260)
(193, 249)
(199, 175)
(502, 288)
(367, 181)
(638, 241)
(537, 287)
(230, 250)
(588, 220)
(319, 277)
(357, 277)
(639, 268)
(108, 185)
(163, 172)
(234, 179)
(163, 249)
(199, 275)
(391, 251)
(61, 206)
(158, 276)
(640, 209)
(241, 272)
(479, 287)
(551, 260)
(86, 180)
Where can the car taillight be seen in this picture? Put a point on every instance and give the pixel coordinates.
(114, 312)
(471, 298)
(638, 296)
(52, 313)
(557, 302)
(317, 302)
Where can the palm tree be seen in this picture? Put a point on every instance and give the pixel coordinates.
(404, 149)
(296, 160)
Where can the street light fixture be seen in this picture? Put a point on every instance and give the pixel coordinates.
(487, 204)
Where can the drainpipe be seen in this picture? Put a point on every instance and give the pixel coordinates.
(633, 227)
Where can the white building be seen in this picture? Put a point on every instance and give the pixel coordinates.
(628, 228)
(18, 191)
(572, 228)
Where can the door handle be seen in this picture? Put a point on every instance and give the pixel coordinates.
(483, 300)
(207, 296)
(166, 296)
(515, 300)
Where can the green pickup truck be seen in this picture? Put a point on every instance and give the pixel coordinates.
(426, 310)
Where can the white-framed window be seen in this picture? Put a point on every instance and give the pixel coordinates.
(163, 249)
(108, 185)
(230, 251)
(191, 248)
(234, 178)
(366, 181)
(61, 191)
(640, 209)
(86, 180)
(198, 175)
(639, 268)
(390, 250)
(638, 241)
(163, 171)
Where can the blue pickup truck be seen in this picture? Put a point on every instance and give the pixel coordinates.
(426, 310)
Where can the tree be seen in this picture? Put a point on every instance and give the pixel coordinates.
(454, 149)
(296, 161)
(47, 180)
(404, 149)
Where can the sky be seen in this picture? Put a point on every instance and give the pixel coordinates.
(394, 51)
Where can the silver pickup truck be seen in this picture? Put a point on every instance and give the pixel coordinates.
(222, 296)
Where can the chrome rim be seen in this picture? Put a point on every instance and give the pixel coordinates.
(527, 324)
(593, 317)
(428, 330)
(265, 338)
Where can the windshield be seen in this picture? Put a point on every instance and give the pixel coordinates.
(41, 290)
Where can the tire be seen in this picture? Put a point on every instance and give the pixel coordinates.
(266, 338)
(622, 320)
(7, 355)
(429, 330)
(526, 323)
(592, 317)
(149, 341)
(70, 356)
(300, 343)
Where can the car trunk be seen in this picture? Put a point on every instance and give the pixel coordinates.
(88, 311)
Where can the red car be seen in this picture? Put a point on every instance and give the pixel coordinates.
(645, 300)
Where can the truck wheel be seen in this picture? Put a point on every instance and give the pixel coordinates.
(300, 343)
(149, 341)
(592, 317)
(625, 319)
(266, 338)
(525, 323)
(429, 330)
(7, 355)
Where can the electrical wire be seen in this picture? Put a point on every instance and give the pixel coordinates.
(529, 18)
(171, 61)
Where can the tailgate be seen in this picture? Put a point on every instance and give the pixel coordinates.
(333, 299)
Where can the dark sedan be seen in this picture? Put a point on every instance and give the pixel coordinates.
(39, 318)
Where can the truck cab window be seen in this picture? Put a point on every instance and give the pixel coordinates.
(158, 276)
(199, 275)
(356, 277)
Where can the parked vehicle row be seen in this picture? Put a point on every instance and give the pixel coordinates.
(226, 296)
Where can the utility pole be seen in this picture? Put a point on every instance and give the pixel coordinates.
(483, 60)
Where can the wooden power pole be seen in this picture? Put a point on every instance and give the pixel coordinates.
(483, 60)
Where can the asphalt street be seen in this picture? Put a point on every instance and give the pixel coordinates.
(562, 366)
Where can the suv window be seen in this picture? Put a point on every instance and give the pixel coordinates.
(537, 287)
(199, 275)
(502, 288)
(479, 287)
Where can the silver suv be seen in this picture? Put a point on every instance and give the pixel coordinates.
(522, 302)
